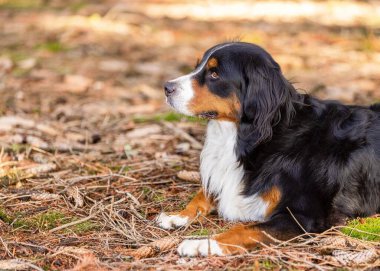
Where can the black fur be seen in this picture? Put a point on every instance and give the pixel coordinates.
(324, 156)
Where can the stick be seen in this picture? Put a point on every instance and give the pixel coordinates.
(195, 143)
(74, 222)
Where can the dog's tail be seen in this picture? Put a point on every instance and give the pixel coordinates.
(375, 107)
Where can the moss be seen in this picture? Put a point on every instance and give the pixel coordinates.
(267, 264)
(120, 168)
(146, 190)
(12, 220)
(21, 224)
(12, 177)
(16, 56)
(201, 232)
(18, 72)
(177, 168)
(18, 148)
(84, 227)
(46, 221)
(52, 46)
(158, 197)
(5, 217)
(43, 221)
(169, 116)
(21, 4)
(76, 6)
(370, 227)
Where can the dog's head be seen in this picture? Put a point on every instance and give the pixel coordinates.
(238, 82)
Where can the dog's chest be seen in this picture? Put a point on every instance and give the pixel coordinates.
(222, 175)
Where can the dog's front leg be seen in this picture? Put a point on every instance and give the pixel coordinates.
(200, 205)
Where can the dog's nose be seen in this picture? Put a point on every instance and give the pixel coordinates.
(169, 88)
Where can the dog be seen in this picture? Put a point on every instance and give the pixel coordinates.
(279, 162)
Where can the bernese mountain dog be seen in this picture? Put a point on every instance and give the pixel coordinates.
(280, 162)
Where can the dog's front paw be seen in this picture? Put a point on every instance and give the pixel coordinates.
(201, 247)
(169, 222)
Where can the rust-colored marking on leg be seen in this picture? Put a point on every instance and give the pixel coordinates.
(272, 197)
(240, 239)
(199, 204)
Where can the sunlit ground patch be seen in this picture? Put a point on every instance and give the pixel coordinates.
(364, 228)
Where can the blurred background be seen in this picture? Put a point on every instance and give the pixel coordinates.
(80, 58)
(83, 120)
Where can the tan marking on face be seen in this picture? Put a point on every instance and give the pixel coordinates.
(212, 63)
(272, 197)
(205, 101)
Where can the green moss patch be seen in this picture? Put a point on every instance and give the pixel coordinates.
(21, 4)
(201, 232)
(45, 221)
(169, 116)
(367, 229)
(84, 227)
(52, 46)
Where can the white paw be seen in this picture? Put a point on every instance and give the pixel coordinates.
(169, 222)
(201, 247)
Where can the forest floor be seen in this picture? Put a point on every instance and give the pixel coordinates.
(89, 151)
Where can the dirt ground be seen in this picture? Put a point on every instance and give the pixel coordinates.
(89, 151)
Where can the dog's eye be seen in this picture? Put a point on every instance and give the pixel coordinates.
(214, 75)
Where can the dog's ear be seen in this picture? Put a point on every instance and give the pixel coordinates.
(265, 98)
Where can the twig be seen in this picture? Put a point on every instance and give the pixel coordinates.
(195, 143)
(77, 221)
(295, 219)
(6, 248)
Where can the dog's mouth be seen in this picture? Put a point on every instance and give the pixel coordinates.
(208, 115)
(202, 115)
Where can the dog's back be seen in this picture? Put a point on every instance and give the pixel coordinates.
(375, 107)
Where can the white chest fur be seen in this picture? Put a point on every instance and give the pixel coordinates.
(222, 175)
